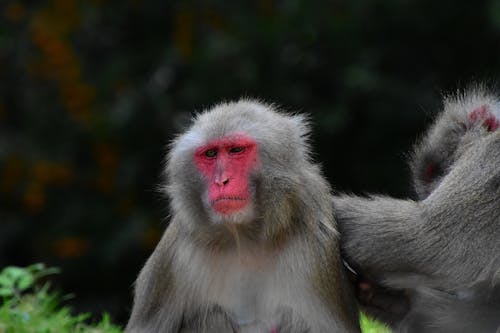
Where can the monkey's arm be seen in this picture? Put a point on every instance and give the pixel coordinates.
(155, 307)
(380, 234)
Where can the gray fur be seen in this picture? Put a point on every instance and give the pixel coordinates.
(451, 134)
(473, 308)
(439, 252)
(282, 269)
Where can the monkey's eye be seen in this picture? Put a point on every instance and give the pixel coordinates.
(211, 153)
(236, 150)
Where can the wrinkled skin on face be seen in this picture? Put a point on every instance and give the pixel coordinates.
(226, 164)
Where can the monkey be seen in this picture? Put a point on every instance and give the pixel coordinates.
(433, 264)
(465, 119)
(251, 245)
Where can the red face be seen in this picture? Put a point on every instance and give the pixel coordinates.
(226, 164)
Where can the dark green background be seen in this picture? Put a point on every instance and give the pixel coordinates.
(91, 92)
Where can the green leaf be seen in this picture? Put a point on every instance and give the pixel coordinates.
(38, 267)
(5, 292)
(25, 281)
(15, 277)
(5, 281)
(15, 273)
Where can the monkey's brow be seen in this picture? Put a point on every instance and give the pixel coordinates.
(228, 141)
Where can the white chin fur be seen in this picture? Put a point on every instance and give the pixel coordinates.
(242, 216)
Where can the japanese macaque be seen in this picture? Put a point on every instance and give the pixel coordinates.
(252, 243)
(433, 265)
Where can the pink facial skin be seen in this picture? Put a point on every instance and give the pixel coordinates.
(483, 114)
(226, 164)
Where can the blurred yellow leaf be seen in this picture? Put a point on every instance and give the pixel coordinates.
(70, 247)
(34, 197)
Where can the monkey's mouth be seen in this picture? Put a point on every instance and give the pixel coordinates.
(229, 204)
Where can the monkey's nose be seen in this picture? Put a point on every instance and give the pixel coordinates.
(222, 181)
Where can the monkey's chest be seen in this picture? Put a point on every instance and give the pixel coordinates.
(244, 296)
(253, 293)
(253, 299)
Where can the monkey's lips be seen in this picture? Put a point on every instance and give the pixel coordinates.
(229, 204)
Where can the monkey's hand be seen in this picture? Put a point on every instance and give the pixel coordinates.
(382, 303)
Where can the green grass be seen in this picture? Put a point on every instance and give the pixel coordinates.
(28, 307)
(372, 326)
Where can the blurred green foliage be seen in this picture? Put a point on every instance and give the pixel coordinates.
(369, 325)
(15, 280)
(91, 92)
(27, 307)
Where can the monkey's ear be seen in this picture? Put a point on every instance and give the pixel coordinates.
(486, 116)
